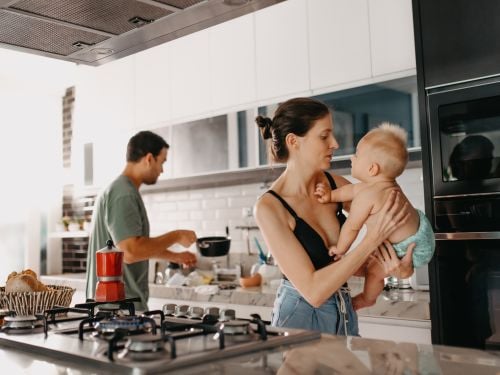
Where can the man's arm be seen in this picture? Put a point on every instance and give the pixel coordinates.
(139, 248)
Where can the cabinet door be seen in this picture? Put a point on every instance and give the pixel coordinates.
(152, 87)
(104, 115)
(391, 34)
(281, 45)
(339, 41)
(232, 62)
(189, 75)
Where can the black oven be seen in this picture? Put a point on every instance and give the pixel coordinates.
(464, 131)
(464, 126)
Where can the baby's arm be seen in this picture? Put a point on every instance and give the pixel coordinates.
(344, 193)
(360, 210)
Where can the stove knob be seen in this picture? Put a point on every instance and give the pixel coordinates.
(214, 311)
(227, 314)
(169, 309)
(195, 312)
(181, 310)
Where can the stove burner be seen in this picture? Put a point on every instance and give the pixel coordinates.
(236, 327)
(133, 325)
(23, 324)
(145, 344)
(227, 314)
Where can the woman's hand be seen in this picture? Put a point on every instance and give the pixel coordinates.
(386, 257)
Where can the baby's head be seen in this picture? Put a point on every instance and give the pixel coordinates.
(385, 146)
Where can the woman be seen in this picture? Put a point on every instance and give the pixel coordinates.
(298, 230)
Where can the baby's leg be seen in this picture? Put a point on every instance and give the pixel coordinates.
(374, 284)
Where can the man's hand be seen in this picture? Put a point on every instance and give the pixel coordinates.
(186, 258)
(322, 192)
(185, 237)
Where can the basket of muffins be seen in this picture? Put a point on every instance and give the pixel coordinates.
(25, 295)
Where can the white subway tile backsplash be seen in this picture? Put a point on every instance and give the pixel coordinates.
(177, 216)
(214, 203)
(227, 191)
(228, 213)
(201, 194)
(188, 205)
(247, 201)
(176, 196)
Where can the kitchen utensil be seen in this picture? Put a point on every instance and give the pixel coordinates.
(262, 255)
(213, 246)
(109, 269)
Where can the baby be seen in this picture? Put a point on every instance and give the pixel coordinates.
(380, 157)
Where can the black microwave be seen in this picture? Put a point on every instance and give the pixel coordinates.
(464, 130)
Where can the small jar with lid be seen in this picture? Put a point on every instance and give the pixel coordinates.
(172, 269)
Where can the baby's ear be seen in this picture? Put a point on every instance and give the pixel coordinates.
(374, 169)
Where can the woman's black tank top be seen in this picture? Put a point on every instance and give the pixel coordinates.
(308, 237)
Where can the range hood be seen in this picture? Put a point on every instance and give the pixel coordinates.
(94, 32)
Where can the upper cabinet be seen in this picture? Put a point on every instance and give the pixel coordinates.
(281, 50)
(152, 87)
(391, 36)
(339, 41)
(189, 75)
(232, 62)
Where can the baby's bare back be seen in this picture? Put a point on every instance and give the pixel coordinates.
(377, 194)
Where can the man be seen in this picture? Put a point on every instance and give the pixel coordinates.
(120, 215)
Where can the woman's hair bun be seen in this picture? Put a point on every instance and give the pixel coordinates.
(264, 123)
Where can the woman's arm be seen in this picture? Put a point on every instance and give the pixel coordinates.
(316, 286)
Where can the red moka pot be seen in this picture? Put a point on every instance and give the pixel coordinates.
(109, 269)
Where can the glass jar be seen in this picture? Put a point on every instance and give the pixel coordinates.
(172, 269)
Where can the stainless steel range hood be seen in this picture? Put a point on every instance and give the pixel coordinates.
(94, 32)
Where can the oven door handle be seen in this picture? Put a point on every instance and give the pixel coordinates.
(468, 236)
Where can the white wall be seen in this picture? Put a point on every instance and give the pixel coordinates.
(31, 90)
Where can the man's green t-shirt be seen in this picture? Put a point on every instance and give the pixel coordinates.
(120, 214)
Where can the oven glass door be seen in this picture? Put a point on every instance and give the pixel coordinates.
(465, 294)
(465, 133)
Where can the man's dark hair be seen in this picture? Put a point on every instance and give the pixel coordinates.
(143, 143)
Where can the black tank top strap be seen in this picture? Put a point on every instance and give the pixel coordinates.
(340, 214)
(283, 202)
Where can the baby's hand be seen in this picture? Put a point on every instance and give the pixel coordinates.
(322, 193)
(335, 253)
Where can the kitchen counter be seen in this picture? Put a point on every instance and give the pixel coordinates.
(405, 304)
(329, 354)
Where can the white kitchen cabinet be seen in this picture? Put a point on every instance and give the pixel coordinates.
(152, 87)
(232, 62)
(339, 41)
(105, 117)
(189, 75)
(281, 50)
(399, 330)
(391, 35)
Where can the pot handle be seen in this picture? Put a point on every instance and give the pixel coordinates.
(203, 244)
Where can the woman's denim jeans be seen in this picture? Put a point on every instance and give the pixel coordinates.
(293, 311)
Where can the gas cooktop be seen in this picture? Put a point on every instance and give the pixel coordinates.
(112, 337)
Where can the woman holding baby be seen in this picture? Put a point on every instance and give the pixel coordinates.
(299, 230)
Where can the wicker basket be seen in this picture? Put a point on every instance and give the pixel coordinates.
(29, 303)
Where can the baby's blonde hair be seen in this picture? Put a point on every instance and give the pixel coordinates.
(388, 144)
